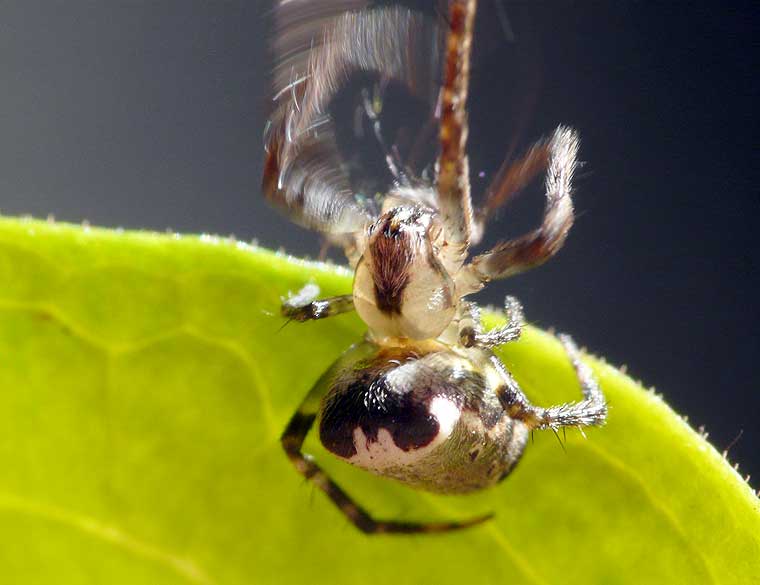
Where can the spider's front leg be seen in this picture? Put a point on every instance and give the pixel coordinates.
(590, 411)
(453, 183)
(304, 305)
(520, 254)
(471, 332)
(511, 179)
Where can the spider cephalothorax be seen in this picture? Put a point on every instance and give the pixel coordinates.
(423, 399)
(401, 287)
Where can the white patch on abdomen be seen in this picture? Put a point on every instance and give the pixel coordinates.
(384, 452)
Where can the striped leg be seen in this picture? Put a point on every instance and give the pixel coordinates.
(510, 180)
(536, 247)
(292, 441)
(453, 170)
(304, 305)
(591, 411)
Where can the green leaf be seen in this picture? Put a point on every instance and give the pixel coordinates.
(144, 382)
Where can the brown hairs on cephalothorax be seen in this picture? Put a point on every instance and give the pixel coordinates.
(392, 252)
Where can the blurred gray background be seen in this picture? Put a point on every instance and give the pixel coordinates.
(150, 115)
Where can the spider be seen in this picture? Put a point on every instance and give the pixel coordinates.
(423, 398)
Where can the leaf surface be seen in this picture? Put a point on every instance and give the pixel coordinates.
(145, 380)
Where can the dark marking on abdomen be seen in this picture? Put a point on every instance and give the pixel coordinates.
(371, 404)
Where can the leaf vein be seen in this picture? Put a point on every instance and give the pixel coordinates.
(184, 567)
(657, 504)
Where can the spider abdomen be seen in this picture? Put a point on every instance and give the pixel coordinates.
(423, 414)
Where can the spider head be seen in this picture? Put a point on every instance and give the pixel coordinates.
(401, 289)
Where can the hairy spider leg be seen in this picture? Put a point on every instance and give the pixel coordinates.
(512, 177)
(535, 248)
(392, 160)
(592, 410)
(471, 332)
(304, 305)
(421, 142)
(292, 442)
(453, 183)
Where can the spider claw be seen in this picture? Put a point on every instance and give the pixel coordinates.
(556, 434)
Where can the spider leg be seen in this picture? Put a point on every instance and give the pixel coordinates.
(292, 442)
(392, 161)
(536, 247)
(471, 333)
(512, 177)
(304, 305)
(453, 183)
(592, 410)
